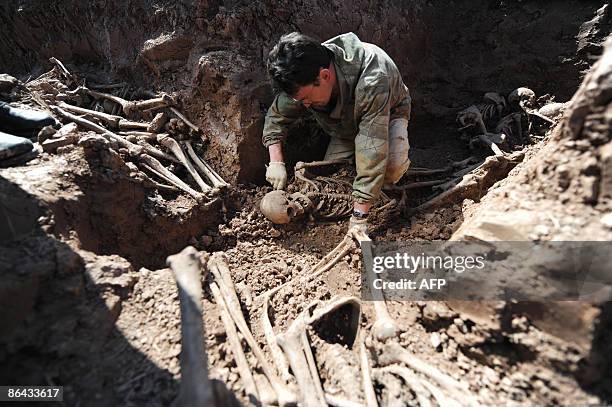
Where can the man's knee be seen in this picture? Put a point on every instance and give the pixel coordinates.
(398, 161)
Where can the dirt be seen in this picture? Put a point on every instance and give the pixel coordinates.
(89, 301)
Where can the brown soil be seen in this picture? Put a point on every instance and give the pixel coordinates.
(89, 301)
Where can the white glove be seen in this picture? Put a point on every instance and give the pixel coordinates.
(276, 174)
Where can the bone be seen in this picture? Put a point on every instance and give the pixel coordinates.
(384, 327)
(184, 119)
(196, 388)
(487, 141)
(411, 380)
(160, 170)
(414, 185)
(277, 354)
(140, 134)
(133, 149)
(109, 119)
(300, 165)
(127, 124)
(292, 344)
(312, 366)
(157, 123)
(234, 341)
(218, 267)
(148, 182)
(366, 378)
(129, 107)
(343, 248)
(206, 169)
(176, 149)
(395, 353)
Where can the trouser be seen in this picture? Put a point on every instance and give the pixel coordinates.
(397, 162)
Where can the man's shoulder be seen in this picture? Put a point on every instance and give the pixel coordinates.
(348, 47)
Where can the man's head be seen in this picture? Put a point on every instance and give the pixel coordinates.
(301, 67)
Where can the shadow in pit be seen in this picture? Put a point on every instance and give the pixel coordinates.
(595, 371)
(56, 329)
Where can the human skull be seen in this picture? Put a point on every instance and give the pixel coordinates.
(523, 97)
(468, 117)
(282, 208)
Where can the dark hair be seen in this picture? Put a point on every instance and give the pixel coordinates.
(295, 61)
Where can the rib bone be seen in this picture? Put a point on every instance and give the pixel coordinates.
(176, 149)
(196, 388)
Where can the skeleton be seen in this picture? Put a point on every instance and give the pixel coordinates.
(196, 388)
(525, 100)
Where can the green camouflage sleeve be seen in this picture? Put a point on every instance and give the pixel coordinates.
(283, 112)
(372, 104)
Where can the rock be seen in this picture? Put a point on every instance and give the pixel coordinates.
(110, 270)
(51, 145)
(7, 82)
(607, 220)
(492, 225)
(435, 340)
(605, 186)
(46, 133)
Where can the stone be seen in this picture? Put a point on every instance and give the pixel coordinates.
(492, 225)
(51, 145)
(606, 220)
(7, 82)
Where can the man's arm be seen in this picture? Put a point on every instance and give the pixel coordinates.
(373, 106)
(282, 113)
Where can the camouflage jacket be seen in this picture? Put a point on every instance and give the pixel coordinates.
(371, 92)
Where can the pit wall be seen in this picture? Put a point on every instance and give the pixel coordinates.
(213, 52)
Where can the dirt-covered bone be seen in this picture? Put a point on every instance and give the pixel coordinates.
(157, 168)
(410, 379)
(366, 375)
(294, 343)
(471, 117)
(211, 174)
(242, 365)
(395, 353)
(176, 149)
(196, 388)
(218, 267)
(131, 107)
(282, 208)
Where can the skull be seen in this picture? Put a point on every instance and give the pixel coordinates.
(524, 97)
(282, 208)
(469, 117)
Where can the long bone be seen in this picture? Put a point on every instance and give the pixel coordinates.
(384, 327)
(133, 149)
(343, 248)
(176, 149)
(196, 388)
(281, 361)
(292, 344)
(109, 119)
(366, 378)
(129, 106)
(232, 335)
(160, 170)
(395, 353)
(222, 276)
(212, 175)
(184, 119)
(411, 380)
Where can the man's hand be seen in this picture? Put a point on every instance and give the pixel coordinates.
(360, 224)
(276, 174)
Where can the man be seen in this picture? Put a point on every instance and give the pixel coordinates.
(356, 94)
